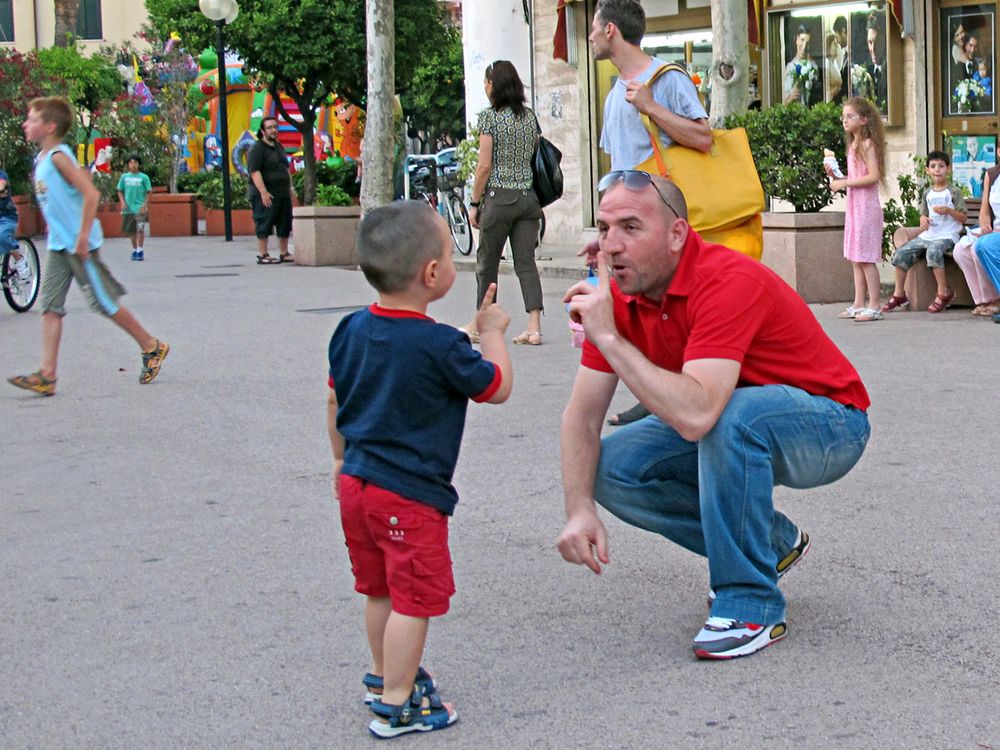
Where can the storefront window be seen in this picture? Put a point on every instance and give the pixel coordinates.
(829, 54)
(967, 60)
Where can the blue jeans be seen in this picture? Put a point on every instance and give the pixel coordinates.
(714, 497)
(8, 232)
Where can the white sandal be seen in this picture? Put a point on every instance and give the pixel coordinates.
(867, 315)
(850, 312)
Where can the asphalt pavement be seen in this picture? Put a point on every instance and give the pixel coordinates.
(174, 574)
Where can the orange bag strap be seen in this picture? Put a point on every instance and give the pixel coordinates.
(651, 127)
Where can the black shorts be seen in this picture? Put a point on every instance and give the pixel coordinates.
(277, 218)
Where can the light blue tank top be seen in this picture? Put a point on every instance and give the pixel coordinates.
(62, 204)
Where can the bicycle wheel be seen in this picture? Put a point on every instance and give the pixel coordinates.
(22, 293)
(458, 223)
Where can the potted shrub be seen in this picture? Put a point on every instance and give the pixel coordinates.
(805, 247)
(326, 233)
(210, 194)
(191, 182)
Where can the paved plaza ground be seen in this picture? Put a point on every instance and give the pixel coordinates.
(174, 574)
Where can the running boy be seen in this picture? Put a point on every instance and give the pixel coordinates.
(400, 384)
(942, 214)
(133, 194)
(8, 229)
(69, 202)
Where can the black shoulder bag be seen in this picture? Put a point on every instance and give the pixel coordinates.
(547, 179)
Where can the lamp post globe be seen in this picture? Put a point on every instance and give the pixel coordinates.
(233, 13)
(218, 10)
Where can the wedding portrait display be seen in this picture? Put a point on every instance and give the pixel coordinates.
(967, 60)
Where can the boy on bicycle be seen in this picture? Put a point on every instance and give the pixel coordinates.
(69, 202)
(8, 229)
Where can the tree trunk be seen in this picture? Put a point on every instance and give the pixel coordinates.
(307, 128)
(730, 60)
(376, 185)
(66, 13)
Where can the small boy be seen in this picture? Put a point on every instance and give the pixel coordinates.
(942, 214)
(133, 195)
(400, 384)
(69, 203)
(8, 229)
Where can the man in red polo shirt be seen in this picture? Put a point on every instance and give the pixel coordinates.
(746, 392)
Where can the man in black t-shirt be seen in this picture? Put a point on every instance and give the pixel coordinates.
(270, 192)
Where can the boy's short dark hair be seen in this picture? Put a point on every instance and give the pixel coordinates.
(395, 242)
(627, 15)
(134, 157)
(939, 156)
(54, 109)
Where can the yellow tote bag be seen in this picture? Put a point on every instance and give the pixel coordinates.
(722, 187)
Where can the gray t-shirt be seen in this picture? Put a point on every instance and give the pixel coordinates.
(624, 137)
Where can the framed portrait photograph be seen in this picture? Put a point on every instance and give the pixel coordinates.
(803, 77)
(970, 156)
(967, 60)
(869, 66)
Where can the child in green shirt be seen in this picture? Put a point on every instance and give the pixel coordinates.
(133, 194)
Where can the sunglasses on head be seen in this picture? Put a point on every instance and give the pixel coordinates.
(635, 180)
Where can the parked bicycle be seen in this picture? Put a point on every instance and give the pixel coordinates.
(21, 293)
(434, 178)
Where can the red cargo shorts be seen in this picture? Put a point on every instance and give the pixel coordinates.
(398, 548)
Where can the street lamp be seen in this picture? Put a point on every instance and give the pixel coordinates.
(222, 12)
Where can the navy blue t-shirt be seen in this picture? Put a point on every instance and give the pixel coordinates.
(403, 383)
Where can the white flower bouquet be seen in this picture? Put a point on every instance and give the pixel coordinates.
(966, 93)
(862, 83)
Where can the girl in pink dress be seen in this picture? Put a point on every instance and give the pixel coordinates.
(863, 220)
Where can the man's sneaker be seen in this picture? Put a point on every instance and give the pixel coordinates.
(22, 269)
(722, 638)
(798, 551)
(139, 255)
(789, 561)
(391, 721)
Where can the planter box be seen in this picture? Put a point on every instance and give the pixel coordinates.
(200, 209)
(110, 217)
(26, 224)
(326, 235)
(807, 251)
(215, 222)
(172, 214)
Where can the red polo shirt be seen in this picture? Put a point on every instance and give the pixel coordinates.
(724, 305)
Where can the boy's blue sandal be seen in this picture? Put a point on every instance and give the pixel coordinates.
(392, 721)
(373, 682)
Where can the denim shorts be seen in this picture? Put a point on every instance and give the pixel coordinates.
(8, 235)
(915, 249)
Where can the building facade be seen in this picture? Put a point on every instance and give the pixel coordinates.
(928, 63)
(31, 24)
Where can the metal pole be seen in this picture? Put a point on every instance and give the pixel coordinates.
(227, 196)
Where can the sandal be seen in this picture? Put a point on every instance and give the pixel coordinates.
(531, 338)
(152, 361)
(267, 260)
(35, 382)
(628, 416)
(286, 258)
(850, 312)
(420, 714)
(941, 302)
(895, 302)
(987, 309)
(867, 315)
(373, 682)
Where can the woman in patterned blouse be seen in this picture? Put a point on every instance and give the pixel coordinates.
(503, 204)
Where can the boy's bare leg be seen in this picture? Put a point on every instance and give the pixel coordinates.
(140, 237)
(51, 335)
(402, 649)
(135, 241)
(900, 283)
(134, 328)
(377, 611)
(940, 276)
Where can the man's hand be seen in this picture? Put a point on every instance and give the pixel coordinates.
(265, 198)
(490, 316)
(593, 307)
(584, 541)
(639, 96)
(590, 250)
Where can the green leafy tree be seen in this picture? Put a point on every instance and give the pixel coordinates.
(435, 103)
(88, 82)
(21, 80)
(308, 49)
(131, 133)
